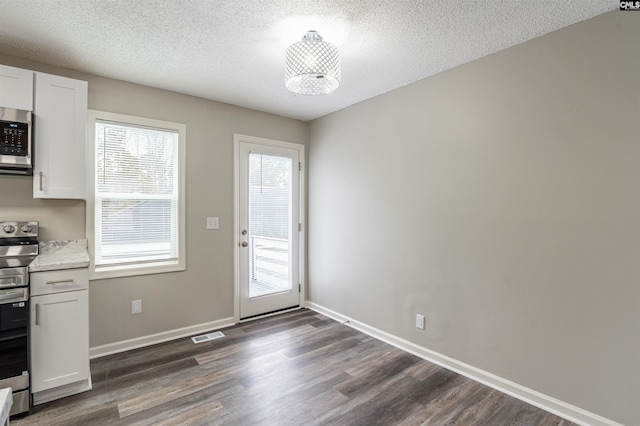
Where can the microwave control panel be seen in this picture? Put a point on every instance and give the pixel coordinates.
(14, 138)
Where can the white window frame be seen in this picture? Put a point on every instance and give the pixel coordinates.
(136, 268)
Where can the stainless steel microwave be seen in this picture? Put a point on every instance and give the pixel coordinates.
(16, 141)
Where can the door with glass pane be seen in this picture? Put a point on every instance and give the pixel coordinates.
(268, 228)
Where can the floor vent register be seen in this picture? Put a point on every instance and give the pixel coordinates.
(207, 337)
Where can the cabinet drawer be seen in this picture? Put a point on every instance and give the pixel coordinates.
(59, 281)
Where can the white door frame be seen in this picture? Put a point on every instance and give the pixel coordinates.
(237, 140)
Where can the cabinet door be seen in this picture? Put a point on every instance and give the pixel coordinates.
(60, 137)
(16, 88)
(59, 339)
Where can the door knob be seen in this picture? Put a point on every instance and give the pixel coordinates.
(244, 244)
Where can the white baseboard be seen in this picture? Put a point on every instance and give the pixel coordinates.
(61, 391)
(530, 396)
(152, 339)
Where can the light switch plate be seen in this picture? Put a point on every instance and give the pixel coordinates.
(420, 321)
(213, 223)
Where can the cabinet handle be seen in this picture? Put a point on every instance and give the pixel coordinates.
(60, 281)
(37, 314)
(41, 182)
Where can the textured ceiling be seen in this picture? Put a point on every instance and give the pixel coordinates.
(233, 51)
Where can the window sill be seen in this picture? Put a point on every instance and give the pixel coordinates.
(105, 272)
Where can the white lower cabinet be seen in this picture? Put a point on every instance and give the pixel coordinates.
(59, 334)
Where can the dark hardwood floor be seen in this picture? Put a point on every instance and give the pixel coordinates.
(291, 369)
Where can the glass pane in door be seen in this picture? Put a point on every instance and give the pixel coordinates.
(270, 203)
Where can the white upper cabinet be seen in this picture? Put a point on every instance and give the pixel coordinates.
(16, 88)
(60, 121)
(60, 137)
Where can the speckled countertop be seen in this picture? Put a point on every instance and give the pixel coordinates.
(61, 254)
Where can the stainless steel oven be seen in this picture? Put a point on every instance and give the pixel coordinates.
(16, 141)
(18, 248)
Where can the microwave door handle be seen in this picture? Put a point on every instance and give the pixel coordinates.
(41, 182)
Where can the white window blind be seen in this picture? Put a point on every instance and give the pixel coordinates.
(270, 210)
(136, 194)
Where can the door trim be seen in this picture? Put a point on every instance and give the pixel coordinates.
(237, 140)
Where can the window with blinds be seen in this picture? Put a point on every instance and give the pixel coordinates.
(136, 207)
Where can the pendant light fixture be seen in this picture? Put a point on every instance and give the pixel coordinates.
(312, 66)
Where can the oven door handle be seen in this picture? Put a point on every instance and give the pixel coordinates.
(5, 295)
(10, 281)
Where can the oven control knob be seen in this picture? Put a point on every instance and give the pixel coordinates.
(8, 228)
(26, 229)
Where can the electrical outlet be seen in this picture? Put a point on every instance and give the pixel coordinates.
(420, 321)
(136, 307)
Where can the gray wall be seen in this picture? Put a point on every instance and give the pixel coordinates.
(501, 199)
(204, 292)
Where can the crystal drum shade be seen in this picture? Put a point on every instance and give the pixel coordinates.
(312, 66)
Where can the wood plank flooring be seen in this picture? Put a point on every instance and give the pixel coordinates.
(292, 369)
